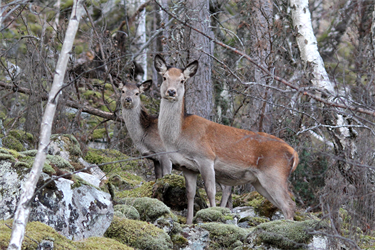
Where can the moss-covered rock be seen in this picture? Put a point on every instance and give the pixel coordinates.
(37, 232)
(253, 221)
(11, 142)
(171, 191)
(286, 234)
(260, 204)
(127, 211)
(59, 162)
(145, 190)
(65, 145)
(138, 234)
(149, 209)
(213, 214)
(224, 236)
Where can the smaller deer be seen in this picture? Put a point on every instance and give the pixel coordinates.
(143, 127)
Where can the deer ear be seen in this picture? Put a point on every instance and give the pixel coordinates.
(160, 64)
(144, 86)
(191, 69)
(120, 85)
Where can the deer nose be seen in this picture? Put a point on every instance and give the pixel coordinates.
(171, 92)
(128, 99)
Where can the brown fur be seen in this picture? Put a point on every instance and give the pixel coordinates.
(228, 155)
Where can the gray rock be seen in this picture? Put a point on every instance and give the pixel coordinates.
(198, 238)
(76, 213)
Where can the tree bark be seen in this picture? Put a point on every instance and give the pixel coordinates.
(199, 89)
(27, 190)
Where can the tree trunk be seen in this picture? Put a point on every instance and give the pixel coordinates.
(199, 89)
(27, 190)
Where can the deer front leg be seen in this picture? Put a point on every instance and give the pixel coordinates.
(208, 175)
(191, 184)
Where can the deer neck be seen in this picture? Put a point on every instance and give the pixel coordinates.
(170, 122)
(137, 120)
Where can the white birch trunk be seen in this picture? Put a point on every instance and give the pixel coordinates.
(308, 45)
(27, 190)
(343, 137)
(141, 38)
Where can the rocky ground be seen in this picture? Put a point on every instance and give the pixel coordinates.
(82, 203)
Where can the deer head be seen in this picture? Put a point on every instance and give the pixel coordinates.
(130, 93)
(173, 86)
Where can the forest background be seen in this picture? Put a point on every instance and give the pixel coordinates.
(257, 72)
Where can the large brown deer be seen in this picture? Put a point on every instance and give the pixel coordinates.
(231, 156)
(143, 127)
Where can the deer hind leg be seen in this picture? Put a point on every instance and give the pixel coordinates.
(276, 191)
(226, 196)
(191, 184)
(157, 168)
(166, 165)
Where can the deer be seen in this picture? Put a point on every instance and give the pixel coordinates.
(227, 155)
(143, 130)
(143, 127)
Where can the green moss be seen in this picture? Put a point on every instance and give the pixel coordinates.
(32, 152)
(7, 157)
(138, 234)
(98, 156)
(254, 221)
(128, 211)
(98, 243)
(145, 190)
(59, 162)
(149, 209)
(260, 204)
(284, 234)
(71, 144)
(179, 241)
(224, 236)
(125, 180)
(11, 142)
(213, 214)
(22, 135)
(37, 232)
(48, 169)
(99, 134)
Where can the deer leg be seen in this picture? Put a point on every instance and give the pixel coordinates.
(157, 169)
(208, 176)
(226, 194)
(191, 184)
(166, 165)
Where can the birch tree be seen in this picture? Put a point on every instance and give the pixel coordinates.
(28, 188)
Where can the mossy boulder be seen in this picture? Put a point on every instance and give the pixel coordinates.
(138, 234)
(171, 191)
(252, 221)
(11, 142)
(149, 209)
(145, 190)
(213, 214)
(225, 236)
(127, 211)
(286, 234)
(66, 146)
(38, 232)
(260, 204)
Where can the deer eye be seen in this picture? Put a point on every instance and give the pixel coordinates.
(164, 78)
(123, 91)
(182, 81)
(136, 93)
